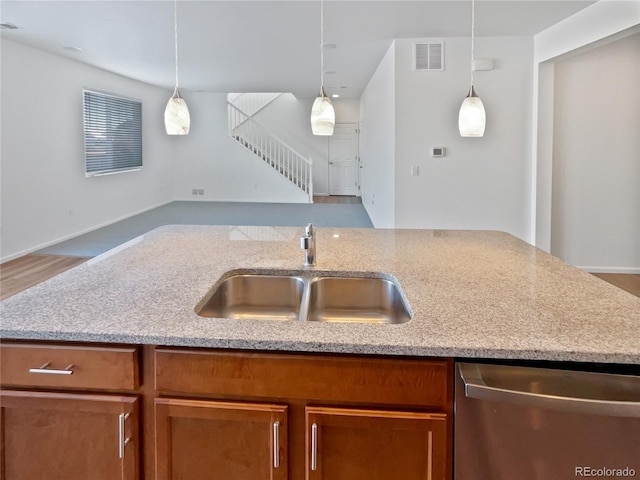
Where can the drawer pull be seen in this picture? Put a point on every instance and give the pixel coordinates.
(314, 446)
(122, 441)
(276, 444)
(52, 371)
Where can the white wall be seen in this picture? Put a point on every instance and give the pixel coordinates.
(596, 158)
(542, 145)
(604, 21)
(209, 159)
(378, 142)
(45, 194)
(347, 109)
(481, 183)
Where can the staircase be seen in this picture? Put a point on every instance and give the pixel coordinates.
(251, 103)
(256, 138)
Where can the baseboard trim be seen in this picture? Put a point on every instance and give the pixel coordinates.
(77, 234)
(237, 200)
(632, 270)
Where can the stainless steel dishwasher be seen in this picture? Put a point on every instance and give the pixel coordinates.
(527, 423)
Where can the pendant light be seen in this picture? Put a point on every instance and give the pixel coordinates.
(472, 118)
(176, 114)
(323, 117)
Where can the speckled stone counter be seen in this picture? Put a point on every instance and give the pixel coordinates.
(472, 294)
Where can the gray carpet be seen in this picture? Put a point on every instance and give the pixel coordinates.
(212, 213)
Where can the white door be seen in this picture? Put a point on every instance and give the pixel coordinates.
(343, 160)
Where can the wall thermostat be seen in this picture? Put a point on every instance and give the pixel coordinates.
(437, 152)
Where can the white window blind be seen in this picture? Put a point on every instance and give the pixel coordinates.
(112, 134)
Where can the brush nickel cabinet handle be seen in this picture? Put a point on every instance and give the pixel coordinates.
(314, 447)
(123, 440)
(276, 444)
(52, 371)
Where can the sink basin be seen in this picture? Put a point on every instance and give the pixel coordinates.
(268, 297)
(356, 300)
(309, 296)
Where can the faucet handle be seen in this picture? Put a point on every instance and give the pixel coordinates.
(310, 230)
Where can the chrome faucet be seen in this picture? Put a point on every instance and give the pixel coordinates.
(308, 244)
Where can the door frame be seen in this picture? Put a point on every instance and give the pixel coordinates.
(356, 126)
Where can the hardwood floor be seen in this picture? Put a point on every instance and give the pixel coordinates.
(626, 281)
(337, 199)
(24, 272)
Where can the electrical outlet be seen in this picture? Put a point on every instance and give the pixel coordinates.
(201, 191)
(415, 171)
(194, 191)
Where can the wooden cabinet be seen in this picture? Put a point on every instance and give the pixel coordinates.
(348, 417)
(69, 366)
(101, 412)
(240, 441)
(350, 444)
(73, 432)
(68, 436)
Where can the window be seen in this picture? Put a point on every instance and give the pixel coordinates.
(112, 134)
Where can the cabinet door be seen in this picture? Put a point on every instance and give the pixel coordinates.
(349, 444)
(67, 436)
(197, 440)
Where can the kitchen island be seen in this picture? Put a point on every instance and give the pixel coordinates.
(110, 363)
(472, 294)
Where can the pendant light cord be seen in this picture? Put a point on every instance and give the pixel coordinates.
(473, 35)
(175, 34)
(322, 47)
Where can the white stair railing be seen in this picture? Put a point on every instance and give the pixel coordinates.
(273, 151)
(252, 102)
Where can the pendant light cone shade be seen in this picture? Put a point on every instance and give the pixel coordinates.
(472, 118)
(323, 117)
(176, 114)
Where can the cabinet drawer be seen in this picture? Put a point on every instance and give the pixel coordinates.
(327, 378)
(36, 365)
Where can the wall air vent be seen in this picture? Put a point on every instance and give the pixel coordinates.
(428, 56)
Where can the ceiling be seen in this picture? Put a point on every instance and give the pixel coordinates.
(239, 46)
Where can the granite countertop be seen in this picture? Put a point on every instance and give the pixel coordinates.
(473, 294)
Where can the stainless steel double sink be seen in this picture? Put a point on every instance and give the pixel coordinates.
(306, 296)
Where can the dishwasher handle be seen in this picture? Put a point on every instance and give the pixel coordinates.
(478, 387)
